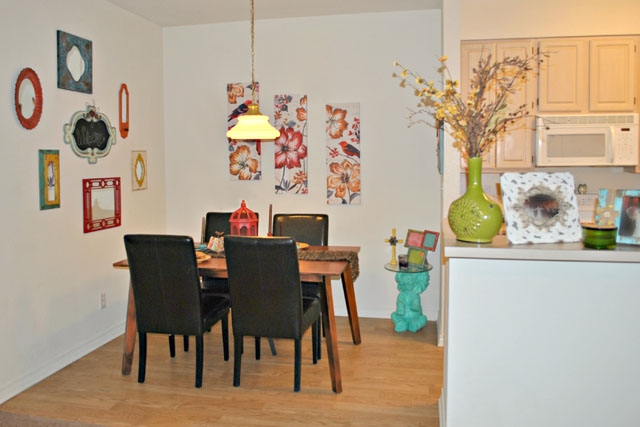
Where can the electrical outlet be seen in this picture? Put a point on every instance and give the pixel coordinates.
(103, 301)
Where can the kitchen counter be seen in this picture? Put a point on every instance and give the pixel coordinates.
(540, 335)
(500, 248)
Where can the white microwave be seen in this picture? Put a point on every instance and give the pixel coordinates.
(587, 140)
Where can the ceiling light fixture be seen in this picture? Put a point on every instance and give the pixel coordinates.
(252, 124)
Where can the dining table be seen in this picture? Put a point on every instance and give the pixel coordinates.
(317, 264)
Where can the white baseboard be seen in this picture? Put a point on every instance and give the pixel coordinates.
(50, 367)
(442, 409)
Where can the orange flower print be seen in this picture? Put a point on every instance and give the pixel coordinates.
(300, 178)
(344, 180)
(301, 113)
(241, 164)
(234, 91)
(336, 124)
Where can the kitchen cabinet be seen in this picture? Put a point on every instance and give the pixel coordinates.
(514, 149)
(588, 75)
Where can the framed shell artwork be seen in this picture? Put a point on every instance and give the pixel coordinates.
(540, 207)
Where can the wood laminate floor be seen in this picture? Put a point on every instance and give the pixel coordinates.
(391, 379)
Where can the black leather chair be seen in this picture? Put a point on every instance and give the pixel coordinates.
(306, 228)
(217, 224)
(168, 297)
(266, 296)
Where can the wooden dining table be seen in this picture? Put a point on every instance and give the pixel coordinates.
(328, 262)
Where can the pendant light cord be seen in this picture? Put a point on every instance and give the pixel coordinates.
(253, 80)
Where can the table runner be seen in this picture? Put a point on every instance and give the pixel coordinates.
(315, 255)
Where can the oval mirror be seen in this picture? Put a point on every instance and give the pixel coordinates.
(28, 98)
(140, 170)
(75, 63)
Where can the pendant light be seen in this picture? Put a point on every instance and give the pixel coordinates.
(252, 124)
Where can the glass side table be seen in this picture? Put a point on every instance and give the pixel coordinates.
(411, 282)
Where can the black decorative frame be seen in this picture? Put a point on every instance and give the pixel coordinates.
(66, 42)
(90, 134)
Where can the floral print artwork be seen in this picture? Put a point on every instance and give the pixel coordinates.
(290, 148)
(244, 155)
(342, 138)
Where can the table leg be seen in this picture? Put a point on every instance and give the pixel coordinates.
(130, 331)
(352, 310)
(331, 338)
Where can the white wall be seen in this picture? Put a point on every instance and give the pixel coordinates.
(52, 272)
(331, 59)
(498, 19)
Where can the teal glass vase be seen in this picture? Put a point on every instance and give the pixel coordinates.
(474, 217)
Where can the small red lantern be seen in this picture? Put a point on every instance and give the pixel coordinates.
(244, 222)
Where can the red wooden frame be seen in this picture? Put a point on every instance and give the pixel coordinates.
(99, 216)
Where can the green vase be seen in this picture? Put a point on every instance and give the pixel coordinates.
(474, 217)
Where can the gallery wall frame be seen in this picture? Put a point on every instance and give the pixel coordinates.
(90, 134)
(28, 98)
(101, 203)
(123, 110)
(49, 178)
(139, 170)
(75, 63)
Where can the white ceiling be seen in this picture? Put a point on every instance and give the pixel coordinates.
(170, 13)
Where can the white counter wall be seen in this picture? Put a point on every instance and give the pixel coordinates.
(536, 337)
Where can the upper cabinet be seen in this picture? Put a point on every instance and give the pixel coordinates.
(514, 149)
(588, 75)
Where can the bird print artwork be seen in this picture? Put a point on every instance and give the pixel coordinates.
(342, 139)
(349, 149)
(239, 110)
(244, 156)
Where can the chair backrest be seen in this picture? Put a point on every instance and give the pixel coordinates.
(217, 222)
(306, 228)
(264, 285)
(165, 282)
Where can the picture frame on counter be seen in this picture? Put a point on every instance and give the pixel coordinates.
(627, 206)
(540, 207)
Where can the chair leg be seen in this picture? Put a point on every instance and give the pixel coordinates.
(237, 358)
(186, 343)
(225, 336)
(272, 345)
(315, 338)
(257, 348)
(142, 358)
(199, 359)
(297, 370)
(172, 346)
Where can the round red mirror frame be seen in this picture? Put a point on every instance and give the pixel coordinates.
(32, 121)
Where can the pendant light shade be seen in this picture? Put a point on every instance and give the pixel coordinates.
(252, 124)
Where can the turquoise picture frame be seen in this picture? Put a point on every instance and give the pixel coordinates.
(75, 63)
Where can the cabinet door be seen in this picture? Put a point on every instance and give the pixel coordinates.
(563, 82)
(470, 54)
(612, 75)
(514, 150)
